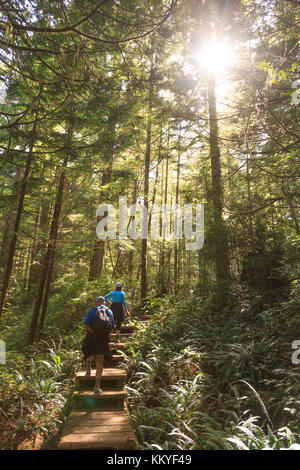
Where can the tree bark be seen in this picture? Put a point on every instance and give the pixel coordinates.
(50, 251)
(146, 181)
(12, 246)
(39, 246)
(46, 295)
(176, 270)
(164, 278)
(98, 250)
(9, 224)
(221, 245)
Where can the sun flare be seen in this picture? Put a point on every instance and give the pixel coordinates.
(215, 57)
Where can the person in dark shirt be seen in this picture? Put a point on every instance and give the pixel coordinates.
(118, 306)
(96, 348)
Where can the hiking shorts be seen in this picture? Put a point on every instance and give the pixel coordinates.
(93, 345)
(118, 311)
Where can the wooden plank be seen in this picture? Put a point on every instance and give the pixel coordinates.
(128, 328)
(106, 371)
(121, 335)
(117, 359)
(103, 417)
(97, 418)
(98, 440)
(104, 394)
(120, 346)
(97, 428)
(107, 374)
(112, 425)
(97, 414)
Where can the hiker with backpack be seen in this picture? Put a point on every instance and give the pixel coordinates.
(118, 306)
(98, 324)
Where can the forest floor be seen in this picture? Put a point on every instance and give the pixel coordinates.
(196, 379)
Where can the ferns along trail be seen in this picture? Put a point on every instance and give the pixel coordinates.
(149, 230)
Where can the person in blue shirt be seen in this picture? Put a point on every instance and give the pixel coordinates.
(96, 348)
(118, 306)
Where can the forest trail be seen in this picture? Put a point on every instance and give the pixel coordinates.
(101, 422)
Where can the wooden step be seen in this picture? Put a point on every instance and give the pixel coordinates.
(111, 377)
(146, 317)
(116, 359)
(109, 373)
(98, 430)
(108, 400)
(115, 346)
(117, 440)
(122, 336)
(101, 421)
(128, 328)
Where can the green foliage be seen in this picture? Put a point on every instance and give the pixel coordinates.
(35, 394)
(250, 436)
(69, 302)
(202, 381)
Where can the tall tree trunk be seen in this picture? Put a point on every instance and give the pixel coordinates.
(39, 245)
(176, 270)
(96, 262)
(12, 246)
(27, 268)
(47, 268)
(9, 224)
(21, 261)
(146, 181)
(46, 295)
(98, 250)
(249, 198)
(163, 278)
(221, 246)
(156, 177)
(130, 254)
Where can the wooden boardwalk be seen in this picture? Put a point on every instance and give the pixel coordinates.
(101, 422)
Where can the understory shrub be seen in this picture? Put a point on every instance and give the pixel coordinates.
(199, 380)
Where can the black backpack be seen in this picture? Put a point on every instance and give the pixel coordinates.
(102, 323)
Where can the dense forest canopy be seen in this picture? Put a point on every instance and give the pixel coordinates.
(165, 103)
